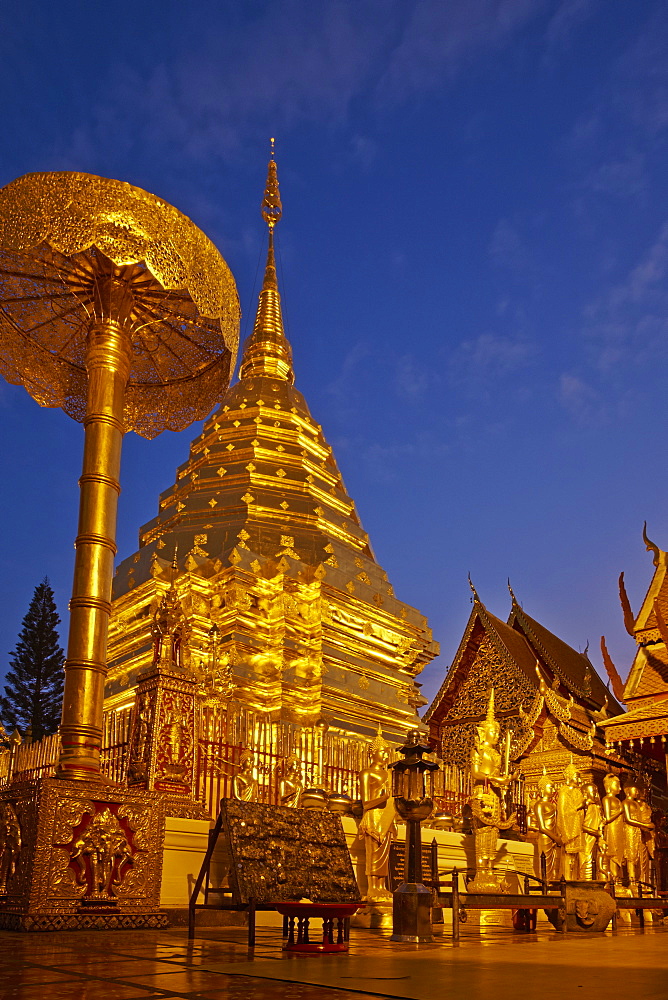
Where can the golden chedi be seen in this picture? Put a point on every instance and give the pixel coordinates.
(272, 555)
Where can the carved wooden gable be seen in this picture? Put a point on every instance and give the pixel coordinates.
(484, 661)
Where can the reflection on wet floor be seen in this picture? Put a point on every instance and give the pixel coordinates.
(151, 964)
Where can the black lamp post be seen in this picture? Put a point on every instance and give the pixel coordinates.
(412, 787)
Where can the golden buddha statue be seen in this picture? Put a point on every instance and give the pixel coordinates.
(634, 828)
(570, 821)
(291, 785)
(378, 825)
(648, 836)
(490, 778)
(545, 818)
(591, 833)
(613, 825)
(244, 785)
(486, 763)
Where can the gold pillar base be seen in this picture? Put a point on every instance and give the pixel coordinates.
(82, 856)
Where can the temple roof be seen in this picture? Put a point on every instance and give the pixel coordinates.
(650, 719)
(648, 676)
(524, 642)
(575, 670)
(510, 645)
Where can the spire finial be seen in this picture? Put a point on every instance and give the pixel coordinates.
(271, 203)
(267, 351)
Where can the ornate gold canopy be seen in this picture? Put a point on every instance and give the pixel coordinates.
(59, 232)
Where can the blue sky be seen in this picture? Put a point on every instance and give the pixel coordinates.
(474, 253)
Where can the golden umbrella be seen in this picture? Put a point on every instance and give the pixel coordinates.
(117, 308)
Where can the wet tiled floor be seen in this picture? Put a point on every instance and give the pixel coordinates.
(146, 965)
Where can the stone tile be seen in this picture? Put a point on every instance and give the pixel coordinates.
(182, 981)
(37, 974)
(81, 990)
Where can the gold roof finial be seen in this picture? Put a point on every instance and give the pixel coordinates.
(267, 351)
(490, 707)
(650, 546)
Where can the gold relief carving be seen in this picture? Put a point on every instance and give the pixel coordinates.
(550, 740)
(363, 681)
(559, 707)
(175, 739)
(581, 741)
(290, 606)
(101, 853)
(139, 820)
(69, 815)
(140, 750)
(62, 880)
(10, 843)
(134, 882)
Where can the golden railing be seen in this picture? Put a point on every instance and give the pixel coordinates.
(329, 758)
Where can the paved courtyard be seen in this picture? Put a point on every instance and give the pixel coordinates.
(147, 965)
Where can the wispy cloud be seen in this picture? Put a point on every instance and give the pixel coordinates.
(482, 366)
(412, 379)
(235, 76)
(567, 18)
(508, 249)
(581, 401)
(438, 39)
(628, 323)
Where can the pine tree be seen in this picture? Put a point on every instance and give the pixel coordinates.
(34, 688)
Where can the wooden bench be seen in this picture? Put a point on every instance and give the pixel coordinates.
(638, 903)
(461, 902)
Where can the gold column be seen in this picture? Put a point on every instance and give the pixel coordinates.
(108, 366)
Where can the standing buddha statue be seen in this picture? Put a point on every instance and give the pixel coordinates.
(570, 821)
(613, 825)
(592, 836)
(634, 828)
(648, 837)
(545, 817)
(378, 824)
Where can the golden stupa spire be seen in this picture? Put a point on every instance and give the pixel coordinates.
(267, 351)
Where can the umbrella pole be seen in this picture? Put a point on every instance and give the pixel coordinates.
(108, 365)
